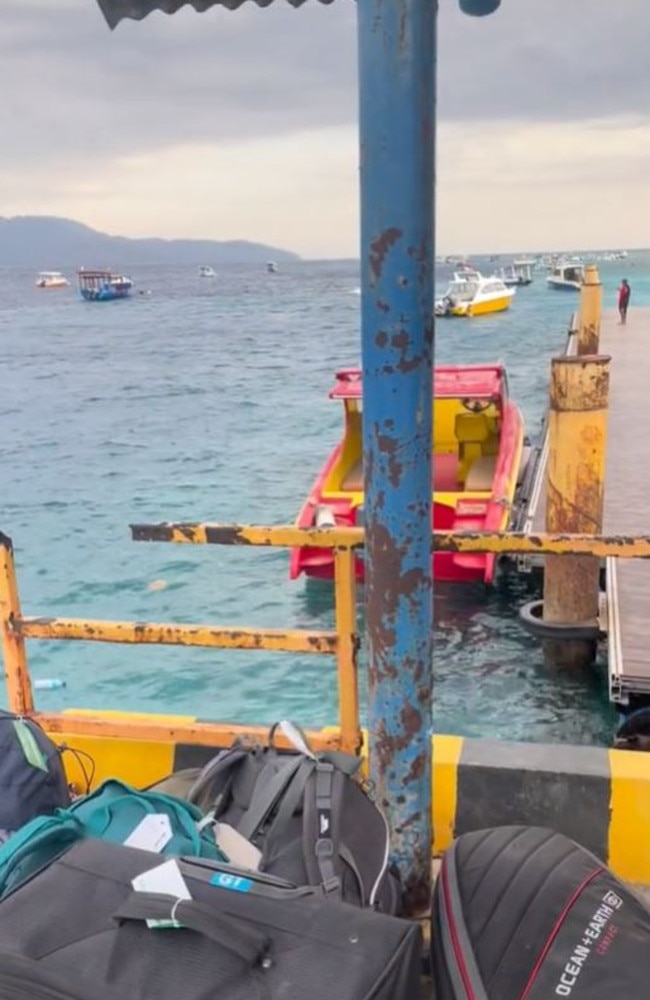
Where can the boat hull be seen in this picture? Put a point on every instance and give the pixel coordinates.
(563, 286)
(481, 308)
(104, 294)
(490, 306)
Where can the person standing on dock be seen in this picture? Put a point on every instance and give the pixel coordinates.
(624, 293)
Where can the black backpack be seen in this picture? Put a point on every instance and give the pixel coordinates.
(32, 778)
(307, 813)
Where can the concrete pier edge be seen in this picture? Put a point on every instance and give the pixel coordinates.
(599, 797)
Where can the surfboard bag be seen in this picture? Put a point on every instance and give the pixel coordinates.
(78, 931)
(522, 913)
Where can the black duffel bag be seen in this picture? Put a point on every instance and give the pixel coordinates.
(77, 931)
(522, 913)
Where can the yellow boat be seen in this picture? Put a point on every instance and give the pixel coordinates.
(470, 294)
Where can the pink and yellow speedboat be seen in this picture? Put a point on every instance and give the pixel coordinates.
(477, 459)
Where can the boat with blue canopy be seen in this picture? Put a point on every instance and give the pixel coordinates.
(103, 286)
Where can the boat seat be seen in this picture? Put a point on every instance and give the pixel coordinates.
(481, 474)
(353, 480)
(472, 431)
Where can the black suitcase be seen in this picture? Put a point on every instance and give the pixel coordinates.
(77, 931)
(522, 913)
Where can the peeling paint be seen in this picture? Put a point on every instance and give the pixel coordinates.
(379, 248)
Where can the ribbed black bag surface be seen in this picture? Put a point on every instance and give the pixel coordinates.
(522, 913)
(77, 931)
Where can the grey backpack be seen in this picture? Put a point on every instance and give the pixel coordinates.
(32, 777)
(307, 813)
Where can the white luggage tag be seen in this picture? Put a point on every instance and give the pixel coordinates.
(151, 834)
(165, 879)
(238, 850)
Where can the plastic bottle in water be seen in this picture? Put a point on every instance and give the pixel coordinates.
(48, 684)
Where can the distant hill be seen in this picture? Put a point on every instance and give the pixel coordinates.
(48, 242)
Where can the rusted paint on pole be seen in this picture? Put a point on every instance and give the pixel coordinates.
(17, 679)
(576, 478)
(397, 98)
(591, 310)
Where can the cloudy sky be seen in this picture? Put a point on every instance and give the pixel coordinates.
(243, 125)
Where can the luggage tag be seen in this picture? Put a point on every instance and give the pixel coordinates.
(153, 833)
(166, 879)
(238, 850)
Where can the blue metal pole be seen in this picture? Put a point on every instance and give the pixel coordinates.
(397, 100)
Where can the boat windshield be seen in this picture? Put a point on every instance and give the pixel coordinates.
(464, 291)
(573, 273)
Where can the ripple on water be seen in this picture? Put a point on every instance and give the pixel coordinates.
(211, 404)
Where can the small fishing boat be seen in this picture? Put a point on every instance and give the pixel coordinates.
(207, 272)
(51, 279)
(566, 277)
(103, 286)
(271, 267)
(470, 294)
(478, 455)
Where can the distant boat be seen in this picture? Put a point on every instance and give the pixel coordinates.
(103, 286)
(470, 294)
(518, 274)
(51, 279)
(207, 272)
(272, 267)
(566, 276)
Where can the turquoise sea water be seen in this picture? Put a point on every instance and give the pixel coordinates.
(208, 400)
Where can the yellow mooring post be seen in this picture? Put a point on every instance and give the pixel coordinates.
(591, 307)
(575, 491)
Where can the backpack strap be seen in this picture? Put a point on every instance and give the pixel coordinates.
(266, 796)
(288, 807)
(223, 764)
(321, 822)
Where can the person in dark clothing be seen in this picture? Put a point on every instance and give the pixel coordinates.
(624, 293)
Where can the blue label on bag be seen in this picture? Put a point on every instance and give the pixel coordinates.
(235, 883)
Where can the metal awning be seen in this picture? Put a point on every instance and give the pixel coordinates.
(116, 10)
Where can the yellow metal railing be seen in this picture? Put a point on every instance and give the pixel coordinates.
(342, 642)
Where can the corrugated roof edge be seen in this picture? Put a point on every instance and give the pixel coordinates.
(117, 10)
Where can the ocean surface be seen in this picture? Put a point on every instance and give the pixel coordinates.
(207, 400)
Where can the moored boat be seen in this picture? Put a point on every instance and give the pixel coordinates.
(566, 277)
(51, 279)
(518, 275)
(103, 286)
(471, 294)
(478, 451)
(205, 271)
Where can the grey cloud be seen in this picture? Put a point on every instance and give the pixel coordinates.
(76, 91)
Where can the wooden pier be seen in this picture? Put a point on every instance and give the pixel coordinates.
(627, 499)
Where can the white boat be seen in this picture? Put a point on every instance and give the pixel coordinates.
(519, 273)
(470, 294)
(271, 267)
(566, 276)
(207, 272)
(51, 279)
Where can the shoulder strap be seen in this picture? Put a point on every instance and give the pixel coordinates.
(265, 797)
(321, 823)
(288, 807)
(222, 766)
